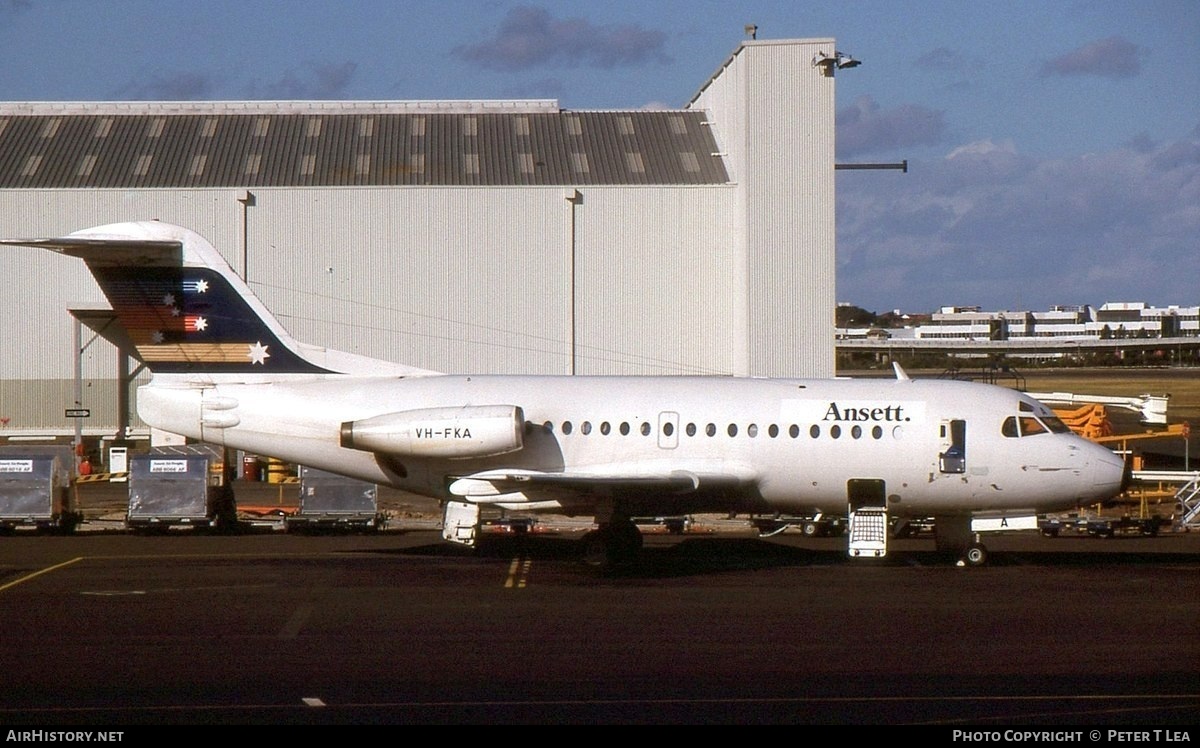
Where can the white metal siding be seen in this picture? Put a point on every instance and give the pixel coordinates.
(772, 112)
(654, 292)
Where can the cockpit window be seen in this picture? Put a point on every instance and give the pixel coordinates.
(1031, 426)
(1055, 424)
(1050, 421)
(1009, 428)
(1015, 426)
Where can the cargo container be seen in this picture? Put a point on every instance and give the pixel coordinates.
(177, 487)
(36, 491)
(332, 502)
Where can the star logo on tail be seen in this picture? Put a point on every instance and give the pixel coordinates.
(258, 353)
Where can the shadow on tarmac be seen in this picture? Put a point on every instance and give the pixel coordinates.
(711, 555)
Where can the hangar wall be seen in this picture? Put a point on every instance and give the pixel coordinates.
(481, 279)
(773, 110)
(449, 279)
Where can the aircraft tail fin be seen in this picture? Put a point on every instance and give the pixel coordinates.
(185, 310)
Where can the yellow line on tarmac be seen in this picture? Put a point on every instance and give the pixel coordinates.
(518, 571)
(38, 573)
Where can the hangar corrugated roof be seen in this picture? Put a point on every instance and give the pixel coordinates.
(319, 144)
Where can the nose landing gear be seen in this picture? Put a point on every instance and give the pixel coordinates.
(976, 554)
(954, 535)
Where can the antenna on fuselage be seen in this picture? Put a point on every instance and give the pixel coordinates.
(900, 372)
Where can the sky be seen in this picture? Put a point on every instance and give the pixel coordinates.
(1053, 147)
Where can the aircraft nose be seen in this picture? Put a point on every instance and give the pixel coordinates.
(1108, 474)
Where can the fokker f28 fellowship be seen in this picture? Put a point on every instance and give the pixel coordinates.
(224, 371)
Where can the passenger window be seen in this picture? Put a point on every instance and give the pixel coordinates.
(668, 428)
(585, 428)
(793, 431)
(856, 431)
(549, 427)
(624, 428)
(877, 432)
(605, 428)
(814, 431)
(711, 429)
(732, 430)
(835, 431)
(691, 429)
(645, 429)
(752, 430)
(773, 431)
(566, 427)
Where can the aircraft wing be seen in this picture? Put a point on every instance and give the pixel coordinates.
(500, 485)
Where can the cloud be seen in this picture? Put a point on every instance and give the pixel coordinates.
(984, 148)
(540, 88)
(183, 86)
(11, 8)
(1114, 57)
(317, 81)
(989, 226)
(1142, 143)
(863, 127)
(944, 58)
(531, 38)
(314, 82)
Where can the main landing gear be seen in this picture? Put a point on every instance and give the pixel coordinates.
(613, 543)
(954, 535)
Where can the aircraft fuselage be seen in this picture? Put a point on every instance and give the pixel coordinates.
(752, 444)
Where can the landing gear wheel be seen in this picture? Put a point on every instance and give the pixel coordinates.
(975, 555)
(811, 529)
(595, 550)
(612, 545)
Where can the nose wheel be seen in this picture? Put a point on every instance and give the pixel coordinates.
(954, 535)
(976, 554)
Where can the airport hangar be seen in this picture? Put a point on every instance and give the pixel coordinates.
(457, 236)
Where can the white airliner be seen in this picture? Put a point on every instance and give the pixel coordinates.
(226, 372)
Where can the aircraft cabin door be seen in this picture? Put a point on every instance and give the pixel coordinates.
(668, 429)
(953, 458)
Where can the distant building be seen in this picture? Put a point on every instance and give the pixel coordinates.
(1113, 320)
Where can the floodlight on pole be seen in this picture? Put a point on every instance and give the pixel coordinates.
(837, 60)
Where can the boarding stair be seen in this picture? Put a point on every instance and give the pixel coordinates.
(868, 532)
(1187, 506)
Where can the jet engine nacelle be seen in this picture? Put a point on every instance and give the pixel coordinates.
(452, 432)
